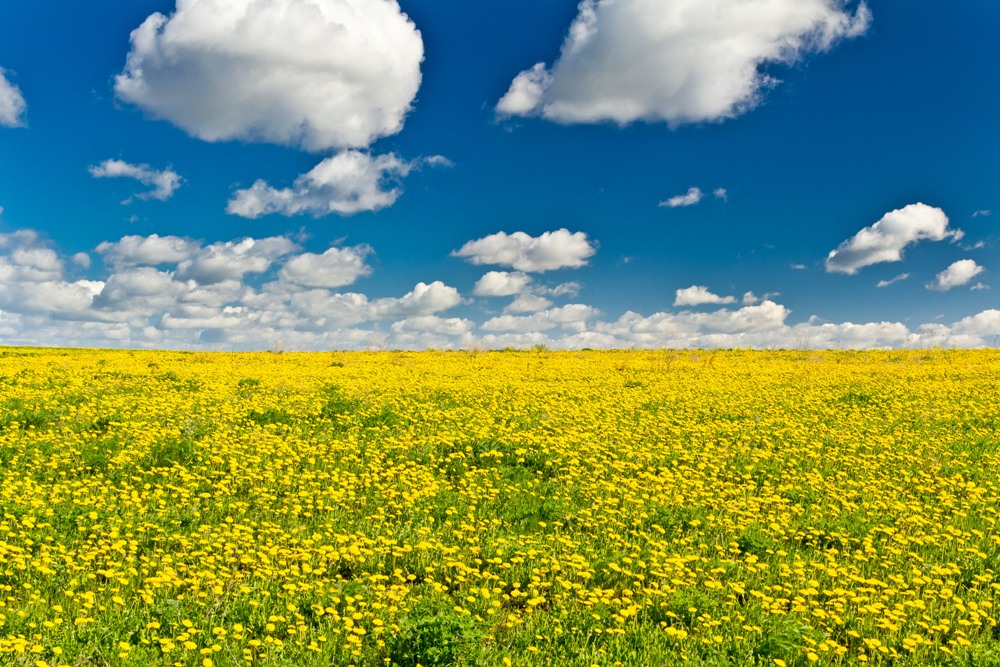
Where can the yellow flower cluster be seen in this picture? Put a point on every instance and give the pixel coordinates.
(517, 508)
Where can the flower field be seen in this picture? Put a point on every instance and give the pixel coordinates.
(499, 508)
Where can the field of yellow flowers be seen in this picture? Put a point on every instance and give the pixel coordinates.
(499, 508)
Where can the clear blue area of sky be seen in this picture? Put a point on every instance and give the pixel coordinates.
(906, 113)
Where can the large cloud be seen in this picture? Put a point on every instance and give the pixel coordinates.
(316, 74)
(347, 183)
(958, 274)
(885, 240)
(552, 250)
(683, 61)
(12, 105)
(163, 181)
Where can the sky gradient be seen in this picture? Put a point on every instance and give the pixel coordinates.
(327, 174)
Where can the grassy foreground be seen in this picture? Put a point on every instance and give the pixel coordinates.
(508, 508)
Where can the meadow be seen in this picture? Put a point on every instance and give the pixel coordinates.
(584, 508)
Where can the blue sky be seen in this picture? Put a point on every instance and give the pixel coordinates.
(317, 174)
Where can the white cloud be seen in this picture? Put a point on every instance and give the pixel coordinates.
(958, 274)
(798, 267)
(571, 316)
(697, 295)
(571, 288)
(450, 326)
(893, 281)
(552, 250)
(501, 283)
(150, 250)
(527, 303)
(163, 182)
(720, 193)
(423, 299)
(230, 260)
(982, 213)
(689, 198)
(347, 183)
(209, 305)
(885, 240)
(684, 61)
(317, 74)
(334, 268)
(12, 104)
(979, 286)
(81, 259)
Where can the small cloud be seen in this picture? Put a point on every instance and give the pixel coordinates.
(798, 267)
(979, 286)
(437, 161)
(956, 275)
(698, 295)
(893, 281)
(527, 303)
(82, 260)
(164, 183)
(12, 104)
(501, 283)
(334, 268)
(720, 193)
(749, 299)
(689, 198)
(563, 289)
(885, 240)
(148, 250)
(982, 213)
(347, 183)
(560, 249)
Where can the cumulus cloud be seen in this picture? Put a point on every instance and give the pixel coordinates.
(315, 74)
(164, 182)
(689, 198)
(697, 295)
(203, 299)
(886, 239)
(334, 268)
(527, 303)
(571, 316)
(347, 183)
(424, 299)
(501, 283)
(685, 61)
(958, 274)
(12, 104)
(151, 250)
(893, 281)
(230, 260)
(552, 250)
